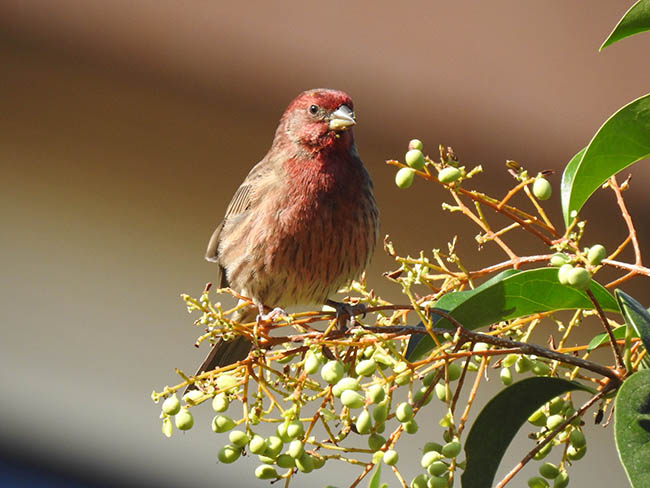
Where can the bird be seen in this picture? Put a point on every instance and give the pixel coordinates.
(303, 223)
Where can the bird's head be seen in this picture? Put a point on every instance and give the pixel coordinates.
(319, 119)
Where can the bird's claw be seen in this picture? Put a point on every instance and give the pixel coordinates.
(346, 311)
(268, 317)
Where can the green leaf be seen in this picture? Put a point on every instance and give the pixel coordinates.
(499, 421)
(376, 477)
(622, 140)
(635, 20)
(597, 340)
(632, 427)
(511, 295)
(636, 315)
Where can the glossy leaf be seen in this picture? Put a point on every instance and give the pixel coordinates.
(621, 141)
(510, 295)
(636, 315)
(632, 428)
(635, 20)
(597, 340)
(499, 421)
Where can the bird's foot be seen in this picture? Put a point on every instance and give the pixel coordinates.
(268, 317)
(346, 311)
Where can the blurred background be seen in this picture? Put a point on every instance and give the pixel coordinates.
(126, 126)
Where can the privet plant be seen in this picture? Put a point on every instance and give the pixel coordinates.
(306, 398)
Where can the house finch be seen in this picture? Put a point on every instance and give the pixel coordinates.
(303, 223)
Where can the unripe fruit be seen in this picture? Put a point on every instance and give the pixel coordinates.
(563, 274)
(305, 463)
(577, 439)
(380, 412)
(295, 429)
(441, 392)
(437, 482)
(220, 403)
(543, 452)
(366, 367)
(420, 393)
(391, 457)
(451, 449)
(193, 397)
(574, 453)
(184, 419)
(343, 384)
(363, 423)
(376, 394)
(282, 431)
(540, 368)
(523, 364)
(537, 482)
(380, 427)
(376, 441)
(265, 472)
(415, 159)
(542, 189)
(449, 174)
(416, 144)
(506, 376)
(296, 449)
(579, 278)
(562, 480)
(429, 377)
(549, 471)
(410, 427)
(171, 406)
(273, 446)
(429, 458)
(596, 254)
(318, 462)
(238, 438)
(453, 371)
(404, 178)
(332, 372)
(554, 421)
(312, 363)
(432, 446)
(559, 258)
(404, 377)
(222, 423)
(226, 382)
(437, 468)
(352, 399)
(285, 461)
(257, 444)
(420, 481)
(556, 405)
(538, 418)
(229, 454)
(404, 412)
(509, 360)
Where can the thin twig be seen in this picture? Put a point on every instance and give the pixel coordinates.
(612, 340)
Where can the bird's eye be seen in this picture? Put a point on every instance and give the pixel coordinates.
(313, 109)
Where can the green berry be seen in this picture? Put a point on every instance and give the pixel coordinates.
(537, 482)
(193, 397)
(305, 463)
(257, 444)
(448, 174)
(596, 254)
(523, 364)
(285, 461)
(429, 377)
(410, 427)
(222, 423)
(380, 427)
(577, 439)
(226, 382)
(229, 454)
(554, 421)
(283, 432)
(295, 429)
(332, 372)
(429, 458)
(575, 453)
(540, 368)
(220, 402)
(318, 462)
(549, 471)
(343, 384)
(404, 412)
(404, 178)
(273, 446)
(556, 405)
(453, 371)
(363, 423)
(376, 441)
(420, 481)
(579, 278)
(184, 419)
(562, 480)
(366, 367)
(352, 399)
(451, 449)
(432, 446)
(312, 363)
(391, 457)
(542, 189)
(296, 449)
(171, 406)
(238, 438)
(543, 452)
(415, 159)
(404, 377)
(509, 360)
(506, 376)
(265, 472)
(266, 459)
(437, 482)
(563, 273)
(437, 468)
(376, 394)
(538, 418)
(416, 144)
(420, 394)
(441, 392)
(559, 258)
(380, 412)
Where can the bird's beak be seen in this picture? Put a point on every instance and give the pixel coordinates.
(342, 118)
